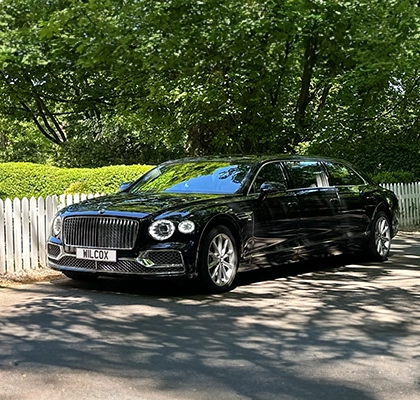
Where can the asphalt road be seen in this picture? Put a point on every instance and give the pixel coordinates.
(331, 329)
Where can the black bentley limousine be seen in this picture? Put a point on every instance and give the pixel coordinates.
(204, 218)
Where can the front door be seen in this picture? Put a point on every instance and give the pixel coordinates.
(276, 217)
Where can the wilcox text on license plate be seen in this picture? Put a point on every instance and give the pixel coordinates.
(97, 254)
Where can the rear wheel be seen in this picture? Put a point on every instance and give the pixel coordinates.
(218, 260)
(380, 238)
(80, 276)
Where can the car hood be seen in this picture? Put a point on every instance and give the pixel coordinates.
(141, 205)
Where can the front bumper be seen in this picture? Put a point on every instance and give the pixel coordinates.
(157, 263)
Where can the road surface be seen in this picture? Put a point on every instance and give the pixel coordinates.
(333, 329)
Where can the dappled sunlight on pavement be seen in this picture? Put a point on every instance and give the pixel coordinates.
(334, 328)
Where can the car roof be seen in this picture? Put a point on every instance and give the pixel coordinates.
(258, 159)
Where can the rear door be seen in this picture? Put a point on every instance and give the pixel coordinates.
(353, 194)
(318, 203)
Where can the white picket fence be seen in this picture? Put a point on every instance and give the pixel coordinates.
(26, 224)
(409, 201)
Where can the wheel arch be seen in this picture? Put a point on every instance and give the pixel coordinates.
(225, 220)
(216, 281)
(378, 243)
(385, 209)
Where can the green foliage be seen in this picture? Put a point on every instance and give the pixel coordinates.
(19, 141)
(394, 177)
(116, 145)
(372, 153)
(77, 188)
(128, 82)
(27, 179)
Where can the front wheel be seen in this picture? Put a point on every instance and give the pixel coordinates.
(380, 238)
(218, 260)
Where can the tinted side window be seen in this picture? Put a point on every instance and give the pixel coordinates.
(272, 173)
(307, 174)
(342, 175)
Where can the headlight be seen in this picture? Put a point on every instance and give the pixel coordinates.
(161, 230)
(186, 226)
(56, 226)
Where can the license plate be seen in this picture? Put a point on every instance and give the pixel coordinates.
(97, 254)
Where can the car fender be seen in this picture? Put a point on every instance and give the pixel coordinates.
(381, 206)
(240, 229)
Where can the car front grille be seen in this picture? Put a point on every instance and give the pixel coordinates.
(53, 250)
(163, 257)
(100, 232)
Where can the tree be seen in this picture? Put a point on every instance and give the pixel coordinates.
(225, 76)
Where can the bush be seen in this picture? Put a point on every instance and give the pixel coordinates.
(27, 179)
(76, 187)
(393, 177)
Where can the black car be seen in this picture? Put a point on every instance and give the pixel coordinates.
(204, 218)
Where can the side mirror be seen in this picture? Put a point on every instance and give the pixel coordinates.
(272, 187)
(125, 186)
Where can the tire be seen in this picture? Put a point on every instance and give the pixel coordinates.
(80, 276)
(379, 242)
(218, 260)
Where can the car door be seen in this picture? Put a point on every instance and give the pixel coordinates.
(318, 204)
(276, 216)
(354, 197)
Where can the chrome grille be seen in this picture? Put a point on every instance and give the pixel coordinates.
(100, 232)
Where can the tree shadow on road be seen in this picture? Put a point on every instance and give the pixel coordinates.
(281, 333)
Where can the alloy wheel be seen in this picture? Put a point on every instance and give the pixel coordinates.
(382, 236)
(221, 259)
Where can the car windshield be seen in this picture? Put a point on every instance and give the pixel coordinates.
(193, 177)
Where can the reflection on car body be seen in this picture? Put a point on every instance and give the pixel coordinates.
(203, 219)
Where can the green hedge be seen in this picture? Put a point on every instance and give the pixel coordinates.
(27, 179)
(394, 177)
